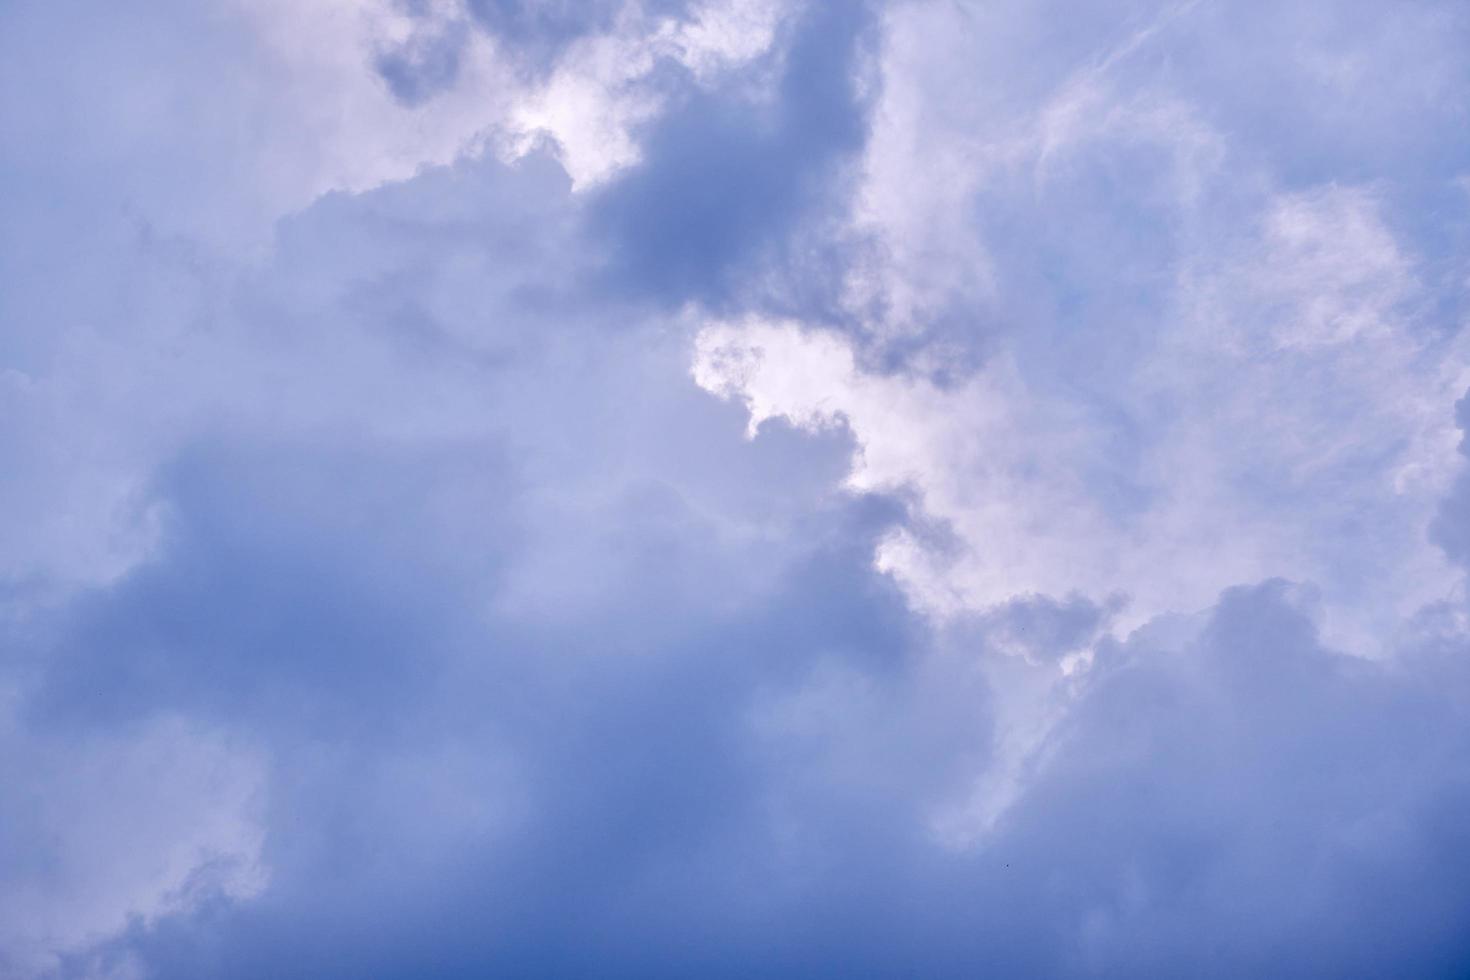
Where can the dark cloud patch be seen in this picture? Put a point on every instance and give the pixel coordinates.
(1038, 627)
(540, 30)
(616, 782)
(1254, 763)
(1246, 802)
(422, 66)
(298, 587)
(727, 179)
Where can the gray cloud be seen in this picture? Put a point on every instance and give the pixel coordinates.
(380, 594)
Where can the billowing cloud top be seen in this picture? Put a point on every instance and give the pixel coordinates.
(734, 488)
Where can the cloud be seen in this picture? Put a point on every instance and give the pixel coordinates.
(732, 488)
(1102, 336)
(733, 176)
(783, 828)
(332, 577)
(120, 827)
(1166, 350)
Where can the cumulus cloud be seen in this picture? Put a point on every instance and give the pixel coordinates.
(726, 488)
(1282, 395)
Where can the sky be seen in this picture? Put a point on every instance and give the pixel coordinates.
(734, 488)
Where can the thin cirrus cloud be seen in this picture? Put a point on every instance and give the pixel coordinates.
(729, 488)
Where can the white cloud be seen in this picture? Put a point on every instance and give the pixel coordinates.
(1289, 422)
(589, 102)
(1192, 374)
(1253, 375)
(1277, 409)
(215, 119)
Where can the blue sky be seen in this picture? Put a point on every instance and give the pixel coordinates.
(734, 488)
